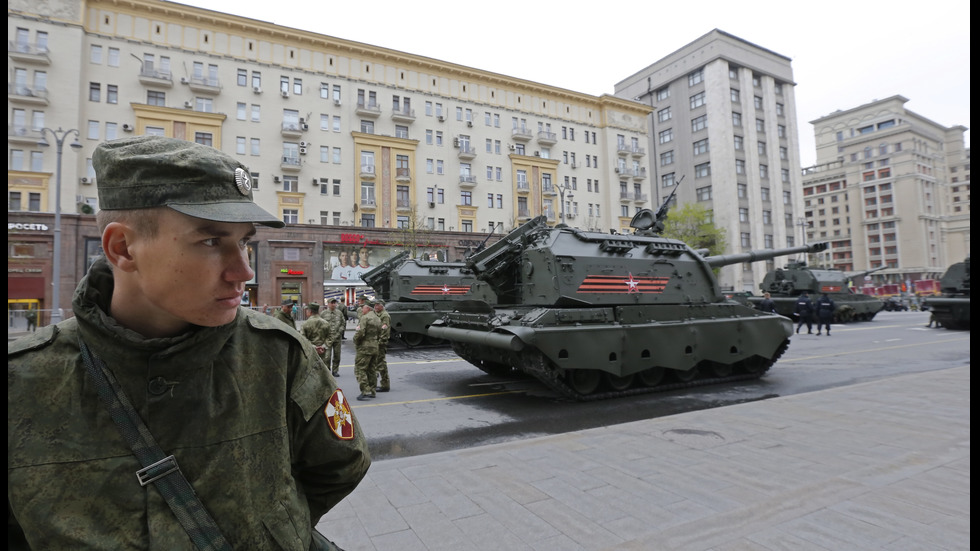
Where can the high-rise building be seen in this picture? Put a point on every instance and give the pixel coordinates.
(724, 119)
(890, 189)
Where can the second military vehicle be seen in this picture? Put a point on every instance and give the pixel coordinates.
(785, 285)
(418, 292)
(596, 315)
(952, 309)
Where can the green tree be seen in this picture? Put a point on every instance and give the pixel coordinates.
(692, 224)
(415, 235)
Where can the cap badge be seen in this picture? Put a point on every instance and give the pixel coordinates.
(243, 181)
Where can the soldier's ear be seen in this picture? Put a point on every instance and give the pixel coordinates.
(116, 241)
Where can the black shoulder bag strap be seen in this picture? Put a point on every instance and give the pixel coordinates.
(160, 470)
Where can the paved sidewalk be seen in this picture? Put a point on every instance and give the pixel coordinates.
(877, 465)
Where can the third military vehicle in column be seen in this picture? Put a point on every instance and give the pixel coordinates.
(785, 285)
(595, 315)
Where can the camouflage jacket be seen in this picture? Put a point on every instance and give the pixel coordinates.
(316, 330)
(337, 322)
(368, 332)
(257, 426)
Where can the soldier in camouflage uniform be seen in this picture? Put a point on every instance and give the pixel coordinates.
(381, 363)
(338, 323)
(257, 426)
(316, 330)
(285, 314)
(366, 346)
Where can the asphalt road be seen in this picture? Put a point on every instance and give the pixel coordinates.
(440, 402)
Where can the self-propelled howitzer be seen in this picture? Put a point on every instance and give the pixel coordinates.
(418, 292)
(596, 315)
(787, 284)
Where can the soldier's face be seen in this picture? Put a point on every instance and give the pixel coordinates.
(193, 270)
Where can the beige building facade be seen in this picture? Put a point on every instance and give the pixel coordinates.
(890, 190)
(337, 134)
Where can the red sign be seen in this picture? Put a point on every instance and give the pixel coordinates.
(289, 271)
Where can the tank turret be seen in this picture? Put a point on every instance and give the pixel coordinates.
(418, 292)
(788, 283)
(579, 310)
(952, 309)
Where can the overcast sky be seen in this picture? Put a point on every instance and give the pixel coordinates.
(844, 53)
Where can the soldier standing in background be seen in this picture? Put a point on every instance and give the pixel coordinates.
(366, 345)
(240, 409)
(285, 314)
(803, 311)
(381, 363)
(825, 313)
(337, 323)
(316, 330)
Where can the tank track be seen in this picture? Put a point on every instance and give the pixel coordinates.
(538, 366)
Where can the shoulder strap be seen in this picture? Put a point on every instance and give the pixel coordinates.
(158, 469)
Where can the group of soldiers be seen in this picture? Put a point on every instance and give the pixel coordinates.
(806, 310)
(326, 331)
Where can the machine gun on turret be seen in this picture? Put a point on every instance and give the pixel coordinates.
(647, 222)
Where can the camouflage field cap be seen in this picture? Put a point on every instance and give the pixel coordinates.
(192, 179)
(313, 306)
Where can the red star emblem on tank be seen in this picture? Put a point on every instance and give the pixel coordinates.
(631, 284)
(337, 412)
(445, 289)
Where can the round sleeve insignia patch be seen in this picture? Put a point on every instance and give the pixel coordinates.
(243, 181)
(337, 412)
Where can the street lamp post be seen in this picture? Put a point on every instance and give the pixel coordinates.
(561, 197)
(59, 137)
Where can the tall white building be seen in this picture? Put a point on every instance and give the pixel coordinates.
(724, 119)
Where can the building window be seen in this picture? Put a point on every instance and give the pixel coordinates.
(697, 100)
(699, 123)
(112, 93)
(735, 95)
(666, 136)
(702, 170)
(242, 77)
(666, 158)
(696, 77)
(743, 191)
(664, 114)
(743, 215)
(760, 125)
(703, 193)
(667, 180)
(739, 166)
(762, 148)
(663, 93)
(94, 91)
(701, 146)
(736, 119)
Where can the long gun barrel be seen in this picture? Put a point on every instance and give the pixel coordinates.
(762, 254)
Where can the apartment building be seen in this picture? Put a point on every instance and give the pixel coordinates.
(724, 118)
(890, 189)
(351, 144)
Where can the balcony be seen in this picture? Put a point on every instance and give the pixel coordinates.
(623, 149)
(154, 77)
(26, 94)
(523, 215)
(521, 134)
(523, 187)
(639, 174)
(291, 163)
(640, 197)
(467, 180)
(368, 203)
(625, 196)
(367, 172)
(637, 151)
(403, 115)
(549, 189)
(24, 135)
(28, 53)
(547, 138)
(466, 152)
(293, 129)
(204, 85)
(403, 174)
(403, 205)
(370, 109)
